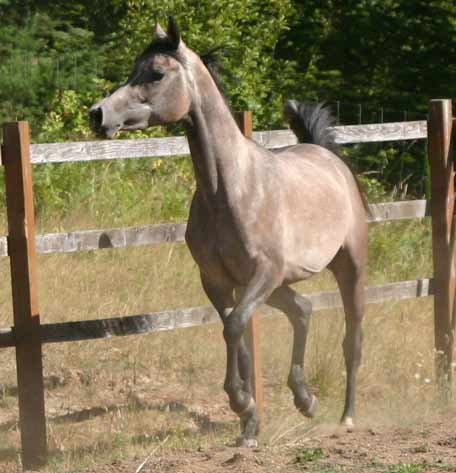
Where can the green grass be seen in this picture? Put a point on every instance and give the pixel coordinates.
(444, 466)
(305, 455)
(407, 468)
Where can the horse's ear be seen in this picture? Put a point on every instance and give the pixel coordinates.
(159, 31)
(173, 32)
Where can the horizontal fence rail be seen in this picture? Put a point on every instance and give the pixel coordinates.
(399, 131)
(86, 240)
(196, 316)
(178, 145)
(390, 211)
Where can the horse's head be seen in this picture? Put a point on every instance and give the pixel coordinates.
(158, 91)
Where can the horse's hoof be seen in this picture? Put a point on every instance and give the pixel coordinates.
(246, 443)
(312, 409)
(348, 423)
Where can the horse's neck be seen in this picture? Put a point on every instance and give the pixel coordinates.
(216, 144)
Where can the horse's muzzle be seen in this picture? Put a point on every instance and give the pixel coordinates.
(96, 121)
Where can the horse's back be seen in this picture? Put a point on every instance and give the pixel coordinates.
(320, 206)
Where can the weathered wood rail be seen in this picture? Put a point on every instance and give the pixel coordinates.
(126, 237)
(178, 146)
(167, 320)
(28, 334)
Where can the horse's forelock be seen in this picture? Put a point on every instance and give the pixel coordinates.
(187, 58)
(166, 47)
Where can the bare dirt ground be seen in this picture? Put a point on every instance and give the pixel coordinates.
(428, 447)
(413, 442)
(156, 404)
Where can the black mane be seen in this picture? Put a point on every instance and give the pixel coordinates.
(211, 60)
(160, 46)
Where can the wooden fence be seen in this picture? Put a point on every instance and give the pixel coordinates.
(21, 245)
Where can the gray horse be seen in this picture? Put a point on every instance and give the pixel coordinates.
(259, 220)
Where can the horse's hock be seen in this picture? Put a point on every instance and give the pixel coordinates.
(21, 245)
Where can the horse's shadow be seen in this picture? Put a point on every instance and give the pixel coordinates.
(204, 424)
(203, 421)
(8, 454)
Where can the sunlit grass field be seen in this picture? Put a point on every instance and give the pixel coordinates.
(123, 397)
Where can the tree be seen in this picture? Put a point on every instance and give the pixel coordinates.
(386, 53)
(41, 54)
(246, 30)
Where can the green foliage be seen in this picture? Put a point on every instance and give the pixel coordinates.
(378, 52)
(374, 189)
(43, 56)
(407, 468)
(383, 53)
(122, 187)
(399, 248)
(248, 31)
(123, 192)
(305, 455)
(67, 118)
(58, 58)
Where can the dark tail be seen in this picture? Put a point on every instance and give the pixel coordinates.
(313, 124)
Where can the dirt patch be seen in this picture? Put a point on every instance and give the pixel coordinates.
(428, 447)
(215, 460)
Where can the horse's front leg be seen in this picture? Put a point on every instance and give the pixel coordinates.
(259, 288)
(221, 294)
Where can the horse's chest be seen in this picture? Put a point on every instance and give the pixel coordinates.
(218, 247)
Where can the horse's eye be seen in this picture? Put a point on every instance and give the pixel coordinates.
(154, 76)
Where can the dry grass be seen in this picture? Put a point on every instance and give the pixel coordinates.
(122, 397)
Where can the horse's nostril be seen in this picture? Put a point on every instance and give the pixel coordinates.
(96, 117)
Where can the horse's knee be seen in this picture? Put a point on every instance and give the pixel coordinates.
(301, 311)
(233, 328)
(294, 305)
(305, 306)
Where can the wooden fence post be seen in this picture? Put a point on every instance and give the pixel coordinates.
(244, 120)
(442, 210)
(22, 253)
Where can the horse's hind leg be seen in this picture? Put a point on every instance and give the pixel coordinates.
(298, 309)
(349, 267)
